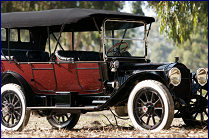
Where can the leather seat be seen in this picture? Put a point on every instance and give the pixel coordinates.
(37, 56)
(79, 55)
(23, 55)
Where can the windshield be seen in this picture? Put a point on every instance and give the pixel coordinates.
(124, 38)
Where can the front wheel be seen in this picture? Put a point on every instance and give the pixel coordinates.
(197, 113)
(67, 121)
(150, 106)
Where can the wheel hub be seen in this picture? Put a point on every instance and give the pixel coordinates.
(149, 108)
(201, 104)
(144, 109)
(10, 109)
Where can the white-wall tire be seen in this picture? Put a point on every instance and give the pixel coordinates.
(146, 109)
(15, 108)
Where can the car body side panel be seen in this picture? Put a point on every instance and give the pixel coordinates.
(22, 69)
(66, 77)
(43, 77)
(63, 78)
(78, 77)
(89, 76)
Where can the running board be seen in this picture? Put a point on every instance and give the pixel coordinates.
(98, 101)
(64, 108)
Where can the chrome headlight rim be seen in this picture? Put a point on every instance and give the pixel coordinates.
(198, 74)
(171, 73)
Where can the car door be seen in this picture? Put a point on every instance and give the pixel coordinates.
(43, 76)
(89, 75)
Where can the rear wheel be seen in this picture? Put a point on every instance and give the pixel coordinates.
(150, 106)
(14, 115)
(67, 121)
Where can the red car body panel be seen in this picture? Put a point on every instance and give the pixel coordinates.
(49, 78)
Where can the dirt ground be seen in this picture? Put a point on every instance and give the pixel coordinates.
(95, 125)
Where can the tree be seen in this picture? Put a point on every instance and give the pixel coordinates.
(159, 47)
(194, 53)
(14, 6)
(137, 7)
(179, 19)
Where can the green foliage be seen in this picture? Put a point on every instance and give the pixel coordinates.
(137, 7)
(11, 6)
(159, 47)
(179, 19)
(194, 53)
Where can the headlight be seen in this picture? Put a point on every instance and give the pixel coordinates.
(175, 76)
(202, 76)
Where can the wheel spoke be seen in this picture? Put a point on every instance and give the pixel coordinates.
(4, 98)
(56, 118)
(142, 115)
(15, 116)
(146, 96)
(4, 103)
(5, 115)
(157, 115)
(18, 113)
(200, 92)
(195, 115)
(59, 118)
(16, 103)
(67, 116)
(152, 97)
(138, 103)
(153, 118)
(13, 119)
(158, 108)
(63, 118)
(17, 108)
(148, 119)
(205, 112)
(8, 118)
(13, 99)
(156, 101)
(10, 98)
(142, 101)
(202, 117)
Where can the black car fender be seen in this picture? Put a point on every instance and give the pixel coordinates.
(124, 90)
(13, 77)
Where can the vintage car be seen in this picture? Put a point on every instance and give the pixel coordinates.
(45, 78)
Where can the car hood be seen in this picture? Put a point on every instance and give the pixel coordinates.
(133, 68)
(147, 66)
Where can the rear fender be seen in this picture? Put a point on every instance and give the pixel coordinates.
(13, 77)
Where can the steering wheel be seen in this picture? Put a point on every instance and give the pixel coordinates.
(118, 44)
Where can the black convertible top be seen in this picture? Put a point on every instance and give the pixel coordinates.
(77, 19)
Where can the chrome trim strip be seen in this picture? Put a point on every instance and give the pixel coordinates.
(107, 38)
(67, 108)
(63, 92)
(86, 68)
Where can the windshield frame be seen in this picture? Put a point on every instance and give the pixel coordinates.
(104, 38)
